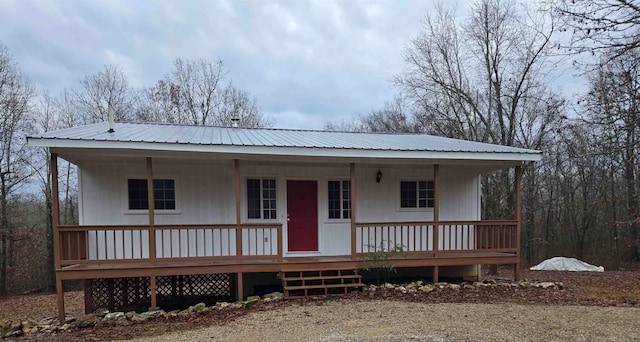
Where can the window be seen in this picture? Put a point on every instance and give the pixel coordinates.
(164, 194)
(416, 194)
(261, 198)
(339, 199)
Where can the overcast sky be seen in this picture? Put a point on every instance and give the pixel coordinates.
(306, 62)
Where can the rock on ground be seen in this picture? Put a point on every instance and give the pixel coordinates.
(352, 320)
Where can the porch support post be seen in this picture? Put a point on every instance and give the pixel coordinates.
(436, 212)
(152, 231)
(436, 274)
(153, 289)
(518, 180)
(352, 204)
(236, 171)
(55, 213)
(240, 287)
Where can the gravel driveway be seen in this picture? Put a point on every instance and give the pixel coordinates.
(352, 320)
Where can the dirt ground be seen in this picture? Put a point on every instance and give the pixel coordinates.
(609, 299)
(384, 320)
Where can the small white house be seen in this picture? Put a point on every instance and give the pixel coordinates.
(239, 202)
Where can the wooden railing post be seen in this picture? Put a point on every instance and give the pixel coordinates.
(352, 200)
(518, 180)
(236, 171)
(280, 243)
(436, 208)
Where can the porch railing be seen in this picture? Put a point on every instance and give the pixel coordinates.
(423, 238)
(132, 243)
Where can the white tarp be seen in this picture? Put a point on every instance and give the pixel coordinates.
(566, 264)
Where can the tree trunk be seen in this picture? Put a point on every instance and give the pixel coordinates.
(6, 234)
(632, 206)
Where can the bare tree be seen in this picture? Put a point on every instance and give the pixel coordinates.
(601, 25)
(349, 124)
(395, 116)
(199, 84)
(46, 120)
(238, 107)
(196, 92)
(16, 93)
(50, 113)
(103, 90)
(481, 80)
(613, 109)
(160, 103)
(485, 79)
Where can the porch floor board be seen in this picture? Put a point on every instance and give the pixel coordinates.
(163, 268)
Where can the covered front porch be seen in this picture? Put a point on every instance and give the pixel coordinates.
(158, 201)
(240, 247)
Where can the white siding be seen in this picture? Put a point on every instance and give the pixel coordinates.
(205, 195)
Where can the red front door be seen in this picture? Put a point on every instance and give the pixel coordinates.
(302, 211)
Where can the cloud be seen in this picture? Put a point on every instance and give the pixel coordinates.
(307, 62)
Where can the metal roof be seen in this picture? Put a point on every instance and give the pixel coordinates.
(186, 137)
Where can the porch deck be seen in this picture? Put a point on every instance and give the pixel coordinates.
(188, 267)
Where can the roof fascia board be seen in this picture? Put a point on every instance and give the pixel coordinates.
(81, 157)
(285, 151)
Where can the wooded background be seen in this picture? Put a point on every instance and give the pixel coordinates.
(486, 77)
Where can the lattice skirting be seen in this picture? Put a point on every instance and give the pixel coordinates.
(172, 292)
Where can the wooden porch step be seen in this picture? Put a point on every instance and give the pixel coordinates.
(303, 283)
(332, 286)
(322, 277)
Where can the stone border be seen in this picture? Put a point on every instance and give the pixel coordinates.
(103, 317)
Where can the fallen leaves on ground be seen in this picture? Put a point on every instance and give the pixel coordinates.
(39, 306)
(611, 288)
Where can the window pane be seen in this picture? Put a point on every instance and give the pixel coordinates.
(430, 193)
(164, 194)
(408, 194)
(346, 199)
(334, 199)
(261, 198)
(422, 194)
(137, 194)
(159, 204)
(158, 194)
(253, 198)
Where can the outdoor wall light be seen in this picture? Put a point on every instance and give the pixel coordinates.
(378, 176)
